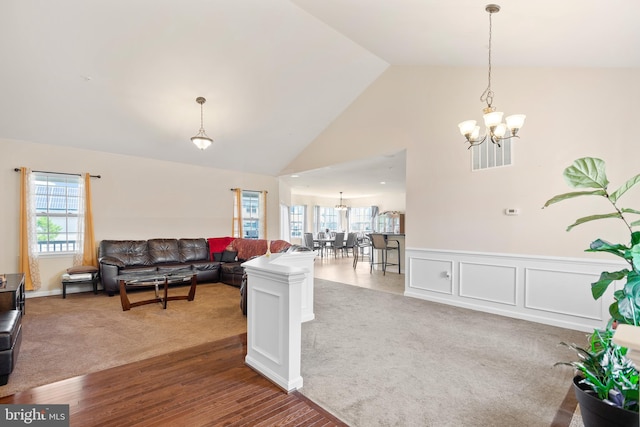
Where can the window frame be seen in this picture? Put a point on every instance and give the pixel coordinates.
(60, 208)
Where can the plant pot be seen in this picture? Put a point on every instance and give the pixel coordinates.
(596, 413)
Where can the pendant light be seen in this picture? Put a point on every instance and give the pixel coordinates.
(496, 131)
(201, 140)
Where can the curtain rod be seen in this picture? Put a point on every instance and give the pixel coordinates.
(255, 191)
(61, 173)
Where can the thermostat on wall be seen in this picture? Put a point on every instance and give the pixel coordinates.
(512, 211)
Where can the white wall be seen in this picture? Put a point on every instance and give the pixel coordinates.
(571, 113)
(136, 198)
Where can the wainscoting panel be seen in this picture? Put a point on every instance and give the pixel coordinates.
(495, 283)
(436, 275)
(539, 284)
(550, 290)
(268, 305)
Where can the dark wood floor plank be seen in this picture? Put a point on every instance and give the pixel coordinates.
(207, 385)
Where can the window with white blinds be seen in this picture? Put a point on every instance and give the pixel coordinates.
(489, 155)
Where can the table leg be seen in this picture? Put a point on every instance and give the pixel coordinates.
(166, 290)
(124, 299)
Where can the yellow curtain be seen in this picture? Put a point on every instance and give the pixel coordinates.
(89, 255)
(31, 278)
(263, 217)
(236, 224)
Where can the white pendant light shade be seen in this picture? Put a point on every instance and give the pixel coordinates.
(500, 130)
(467, 127)
(202, 142)
(515, 122)
(493, 118)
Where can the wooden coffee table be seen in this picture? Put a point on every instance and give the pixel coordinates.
(129, 281)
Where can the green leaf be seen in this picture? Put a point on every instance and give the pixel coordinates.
(623, 189)
(606, 278)
(593, 218)
(634, 255)
(600, 245)
(565, 196)
(627, 210)
(587, 172)
(632, 287)
(635, 223)
(635, 238)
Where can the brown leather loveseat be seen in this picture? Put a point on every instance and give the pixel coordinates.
(123, 256)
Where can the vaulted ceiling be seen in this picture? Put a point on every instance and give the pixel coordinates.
(122, 76)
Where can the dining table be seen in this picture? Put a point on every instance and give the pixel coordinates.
(323, 243)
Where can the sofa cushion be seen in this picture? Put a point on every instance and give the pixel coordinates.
(232, 268)
(10, 323)
(163, 250)
(193, 250)
(149, 269)
(129, 252)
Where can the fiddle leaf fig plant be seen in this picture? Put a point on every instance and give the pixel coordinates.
(589, 172)
(604, 366)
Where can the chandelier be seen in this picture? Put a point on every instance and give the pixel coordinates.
(496, 130)
(341, 206)
(201, 140)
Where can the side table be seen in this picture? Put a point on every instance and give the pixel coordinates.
(87, 281)
(12, 292)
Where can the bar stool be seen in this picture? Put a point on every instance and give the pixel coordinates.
(381, 243)
(359, 249)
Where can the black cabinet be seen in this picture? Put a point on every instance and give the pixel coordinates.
(12, 292)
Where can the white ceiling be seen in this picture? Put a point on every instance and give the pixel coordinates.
(122, 76)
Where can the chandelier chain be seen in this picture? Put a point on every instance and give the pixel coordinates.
(487, 95)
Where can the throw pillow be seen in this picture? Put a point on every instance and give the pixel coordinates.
(229, 256)
(78, 269)
(217, 256)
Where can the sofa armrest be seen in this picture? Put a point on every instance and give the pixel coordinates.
(108, 260)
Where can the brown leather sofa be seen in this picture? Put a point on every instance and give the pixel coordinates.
(124, 256)
(231, 271)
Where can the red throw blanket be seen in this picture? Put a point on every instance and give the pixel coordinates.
(218, 244)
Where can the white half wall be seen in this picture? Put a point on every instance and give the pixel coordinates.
(549, 290)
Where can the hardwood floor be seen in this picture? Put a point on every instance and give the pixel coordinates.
(207, 385)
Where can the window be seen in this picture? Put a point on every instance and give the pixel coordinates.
(297, 221)
(360, 220)
(489, 155)
(251, 214)
(327, 218)
(57, 202)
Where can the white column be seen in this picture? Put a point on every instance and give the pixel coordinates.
(274, 315)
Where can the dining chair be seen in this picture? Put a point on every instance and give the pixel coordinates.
(337, 244)
(380, 243)
(308, 240)
(350, 244)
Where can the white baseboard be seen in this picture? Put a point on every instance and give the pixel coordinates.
(549, 290)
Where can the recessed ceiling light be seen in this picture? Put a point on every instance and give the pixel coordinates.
(382, 182)
(295, 176)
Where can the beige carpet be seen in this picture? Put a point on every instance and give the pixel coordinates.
(85, 333)
(379, 359)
